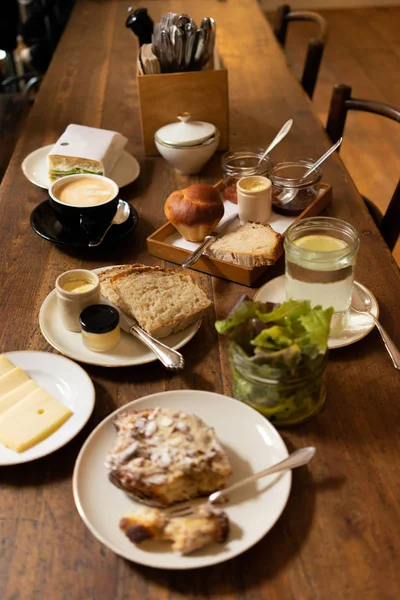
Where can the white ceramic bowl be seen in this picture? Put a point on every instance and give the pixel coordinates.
(189, 159)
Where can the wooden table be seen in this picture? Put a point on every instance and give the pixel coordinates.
(339, 536)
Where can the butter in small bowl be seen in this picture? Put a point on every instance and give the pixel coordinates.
(254, 199)
(76, 290)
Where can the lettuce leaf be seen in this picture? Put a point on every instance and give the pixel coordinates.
(317, 325)
(275, 337)
(245, 310)
(74, 171)
(290, 334)
(291, 309)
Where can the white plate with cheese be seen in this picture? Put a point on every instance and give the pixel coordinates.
(251, 443)
(71, 390)
(35, 168)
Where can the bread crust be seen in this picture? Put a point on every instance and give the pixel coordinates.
(65, 163)
(194, 211)
(106, 289)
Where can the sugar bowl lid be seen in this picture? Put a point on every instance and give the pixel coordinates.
(186, 132)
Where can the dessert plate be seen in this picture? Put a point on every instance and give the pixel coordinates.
(45, 224)
(252, 510)
(358, 326)
(68, 383)
(129, 352)
(34, 167)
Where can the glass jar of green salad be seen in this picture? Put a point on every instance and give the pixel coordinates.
(284, 396)
(278, 355)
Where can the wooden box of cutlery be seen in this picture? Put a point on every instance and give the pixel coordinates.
(203, 94)
(168, 244)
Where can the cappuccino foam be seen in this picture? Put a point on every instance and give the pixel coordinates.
(84, 191)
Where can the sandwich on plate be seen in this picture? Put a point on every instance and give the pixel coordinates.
(83, 149)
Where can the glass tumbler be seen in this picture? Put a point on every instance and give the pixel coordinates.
(320, 254)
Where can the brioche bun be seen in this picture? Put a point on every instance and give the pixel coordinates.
(194, 211)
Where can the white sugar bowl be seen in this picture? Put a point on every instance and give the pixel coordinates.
(187, 145)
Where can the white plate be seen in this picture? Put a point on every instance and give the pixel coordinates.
(69, 384)
(129, 352)
(358, 326)
(34, 167)
(252, 444)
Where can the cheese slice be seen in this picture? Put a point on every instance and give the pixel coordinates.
(5, 365)
(19, 393)
(12, 380)
(32, 420)
(83, 149)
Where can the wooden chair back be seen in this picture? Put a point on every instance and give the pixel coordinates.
(316, 45)
(341, 103)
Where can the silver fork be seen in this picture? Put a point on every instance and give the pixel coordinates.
(296, 459)
(361, 303)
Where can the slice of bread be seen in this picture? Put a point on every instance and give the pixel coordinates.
(163, 301)
(249, 245)
(106, 289)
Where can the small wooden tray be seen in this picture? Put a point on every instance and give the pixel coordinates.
(157, 245)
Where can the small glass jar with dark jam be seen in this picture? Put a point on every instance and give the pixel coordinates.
(242, 163)
(291, 194)
(100, 327)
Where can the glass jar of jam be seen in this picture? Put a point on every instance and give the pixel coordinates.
(100, 327)
(291, 194)
(242, 163)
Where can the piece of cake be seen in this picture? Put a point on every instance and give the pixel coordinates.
(83, 149)
(162, 456)
(186, 534)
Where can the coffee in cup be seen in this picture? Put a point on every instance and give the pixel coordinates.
(84, 201)
(85, 191)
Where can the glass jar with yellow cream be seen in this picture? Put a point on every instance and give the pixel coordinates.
(254, 199)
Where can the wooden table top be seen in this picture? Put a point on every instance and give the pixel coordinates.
(339, 535)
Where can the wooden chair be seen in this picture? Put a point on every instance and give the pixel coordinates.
(341, 103)
(316, 46)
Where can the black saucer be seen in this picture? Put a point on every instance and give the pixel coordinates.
(45, 224)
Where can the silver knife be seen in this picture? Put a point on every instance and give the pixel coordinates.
(189, 31)
(208, 240)
(171, 359)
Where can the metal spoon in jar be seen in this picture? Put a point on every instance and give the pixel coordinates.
(121, 215)
(278, 138)
(289, 195)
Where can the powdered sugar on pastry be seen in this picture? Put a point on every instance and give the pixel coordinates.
(163, 456)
